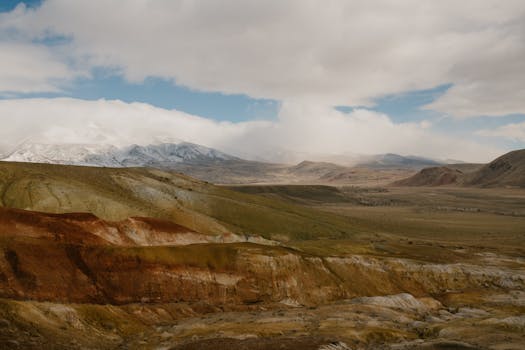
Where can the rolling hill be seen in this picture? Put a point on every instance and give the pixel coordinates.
(118, 193)
(434, 176)
(391, 160)
(505, 171)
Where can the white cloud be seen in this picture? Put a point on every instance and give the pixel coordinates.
(310, 55)
(310, 130)
(491, 81)
(67, 120)
(513, 131)
(335, 53)
(30, 68)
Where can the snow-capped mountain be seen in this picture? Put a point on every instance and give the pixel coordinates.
(136, 155)
(162, 154)
(59, 153)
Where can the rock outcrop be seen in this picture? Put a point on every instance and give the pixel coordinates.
(80, 258)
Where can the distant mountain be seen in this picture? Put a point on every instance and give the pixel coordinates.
(158, 155)
(215, 166)
(315, 169)
(391, 160)
(61, 153)
(505, 171)
(191, 159)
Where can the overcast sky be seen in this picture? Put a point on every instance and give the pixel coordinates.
(443, 79)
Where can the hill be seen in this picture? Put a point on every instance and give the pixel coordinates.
(315, 169)
(505, 171)
(434, 176)
(391, 160)
(118, 193)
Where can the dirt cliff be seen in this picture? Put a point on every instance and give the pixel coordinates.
(80, 258)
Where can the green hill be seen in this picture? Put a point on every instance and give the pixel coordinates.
(115, 194)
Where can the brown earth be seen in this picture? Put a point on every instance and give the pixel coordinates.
(435, 176)
(69, 258)
(434, 268)
(505, 171)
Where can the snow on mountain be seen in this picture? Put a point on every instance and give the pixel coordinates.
(58, 153)
(162, 154)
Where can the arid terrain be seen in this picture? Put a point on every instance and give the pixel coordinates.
(137, 258)
(262, 175)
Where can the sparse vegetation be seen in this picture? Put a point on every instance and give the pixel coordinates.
(457, 251)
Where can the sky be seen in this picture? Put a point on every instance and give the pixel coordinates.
(272, 80)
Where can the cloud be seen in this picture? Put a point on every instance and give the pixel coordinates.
(514, 131)
(27, 68)
(307, 131)
(68, 120)
(308, 55)
(491, 81)
(340, 53)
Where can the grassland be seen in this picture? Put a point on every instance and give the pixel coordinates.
(115, 194)
(414, 222)
(371, 219)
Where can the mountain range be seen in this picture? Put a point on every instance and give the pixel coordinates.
(215, 166)
(212, 165)
(112, 156)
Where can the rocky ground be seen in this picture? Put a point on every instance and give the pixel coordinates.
(398, 321)
(264, 297)
(288, 268)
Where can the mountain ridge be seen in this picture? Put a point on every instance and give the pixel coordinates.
(112, 156)
(215, 166)
(507, 170)
(389, 160)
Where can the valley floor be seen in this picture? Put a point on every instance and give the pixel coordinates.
(273, 267)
